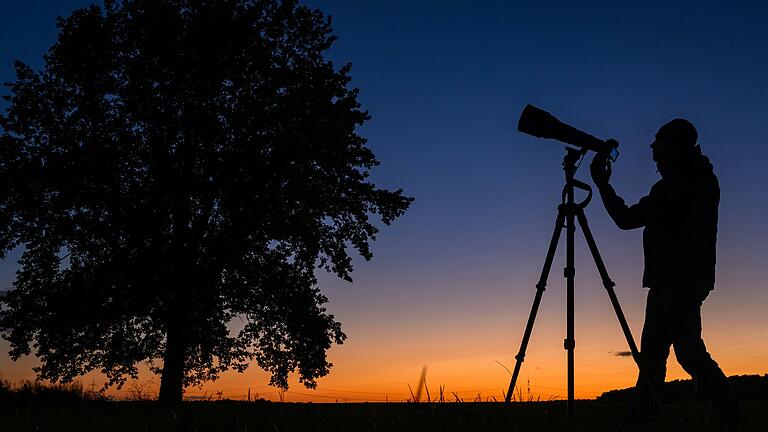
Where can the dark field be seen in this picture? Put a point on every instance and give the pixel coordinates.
(265, 416)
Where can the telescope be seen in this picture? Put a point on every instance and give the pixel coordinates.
(541, 124)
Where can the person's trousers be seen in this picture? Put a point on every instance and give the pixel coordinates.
(675, 320)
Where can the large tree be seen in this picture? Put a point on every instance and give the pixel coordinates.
(178, 164)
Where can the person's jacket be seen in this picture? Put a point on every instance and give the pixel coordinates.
(680, 220)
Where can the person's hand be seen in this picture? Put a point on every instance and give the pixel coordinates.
(600, 168)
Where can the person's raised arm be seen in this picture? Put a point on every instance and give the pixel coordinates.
(625, 217)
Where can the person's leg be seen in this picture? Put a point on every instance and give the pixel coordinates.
(654, 350)
(684, 317)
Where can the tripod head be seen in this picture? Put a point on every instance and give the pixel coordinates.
(572, 156)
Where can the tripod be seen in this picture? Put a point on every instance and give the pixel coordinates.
(567, 212)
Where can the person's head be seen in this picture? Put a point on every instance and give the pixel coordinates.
(674, 141)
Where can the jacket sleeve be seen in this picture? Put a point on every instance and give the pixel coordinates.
(625, 217)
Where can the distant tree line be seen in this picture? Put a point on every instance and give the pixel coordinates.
(745, 388)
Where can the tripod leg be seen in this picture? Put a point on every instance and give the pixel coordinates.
(570, 273)
(540, 287)
(608, 284)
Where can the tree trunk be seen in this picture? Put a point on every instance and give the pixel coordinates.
(179, 280)
(172, 380)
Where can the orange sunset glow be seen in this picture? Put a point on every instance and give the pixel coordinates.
(384, 355)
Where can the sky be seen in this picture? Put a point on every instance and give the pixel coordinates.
(451, 282)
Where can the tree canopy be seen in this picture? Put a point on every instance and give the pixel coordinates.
(178, 164)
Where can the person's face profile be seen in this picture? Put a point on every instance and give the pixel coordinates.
(664, 150)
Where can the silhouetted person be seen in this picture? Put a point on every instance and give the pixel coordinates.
(680, 220)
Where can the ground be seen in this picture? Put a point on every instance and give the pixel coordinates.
(279, 417)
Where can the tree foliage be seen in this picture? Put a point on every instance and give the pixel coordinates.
(176, 165)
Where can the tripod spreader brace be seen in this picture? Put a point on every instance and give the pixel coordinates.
(572, 208)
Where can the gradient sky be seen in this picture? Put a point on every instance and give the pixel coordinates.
(451, 282)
